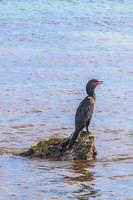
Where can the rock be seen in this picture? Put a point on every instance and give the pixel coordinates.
(52, 149)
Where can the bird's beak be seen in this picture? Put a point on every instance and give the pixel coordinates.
(99, 82)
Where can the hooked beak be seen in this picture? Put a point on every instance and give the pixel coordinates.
(99, 82)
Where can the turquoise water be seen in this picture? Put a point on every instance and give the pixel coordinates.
(48, 51)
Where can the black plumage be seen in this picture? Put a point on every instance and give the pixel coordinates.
(84, 111)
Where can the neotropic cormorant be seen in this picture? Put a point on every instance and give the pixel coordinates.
(84, 111)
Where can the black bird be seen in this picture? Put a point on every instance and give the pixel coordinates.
(84, 111)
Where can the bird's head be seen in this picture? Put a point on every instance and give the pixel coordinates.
(91, 85)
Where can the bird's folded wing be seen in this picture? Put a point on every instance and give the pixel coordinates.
(83, 113)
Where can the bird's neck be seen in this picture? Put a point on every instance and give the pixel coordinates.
(91, 92)
(93, 97)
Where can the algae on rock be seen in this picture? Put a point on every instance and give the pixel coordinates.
(52, 149)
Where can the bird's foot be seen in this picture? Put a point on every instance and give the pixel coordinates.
(85, 133)
(88, 132)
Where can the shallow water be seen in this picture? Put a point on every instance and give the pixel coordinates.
(48, 51)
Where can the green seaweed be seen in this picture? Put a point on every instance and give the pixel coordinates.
(52, 148)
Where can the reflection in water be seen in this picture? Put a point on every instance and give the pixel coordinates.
(43, 179)
(36, 178)
(82, 168)
(83, 175)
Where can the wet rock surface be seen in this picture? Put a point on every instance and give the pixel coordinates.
(52, 149)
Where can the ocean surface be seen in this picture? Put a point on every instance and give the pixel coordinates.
(48, 52)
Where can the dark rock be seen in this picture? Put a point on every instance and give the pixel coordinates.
(52, 149)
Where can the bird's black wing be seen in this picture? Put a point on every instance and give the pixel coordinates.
(83, 113)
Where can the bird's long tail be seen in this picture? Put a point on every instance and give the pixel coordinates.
(72, 140)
